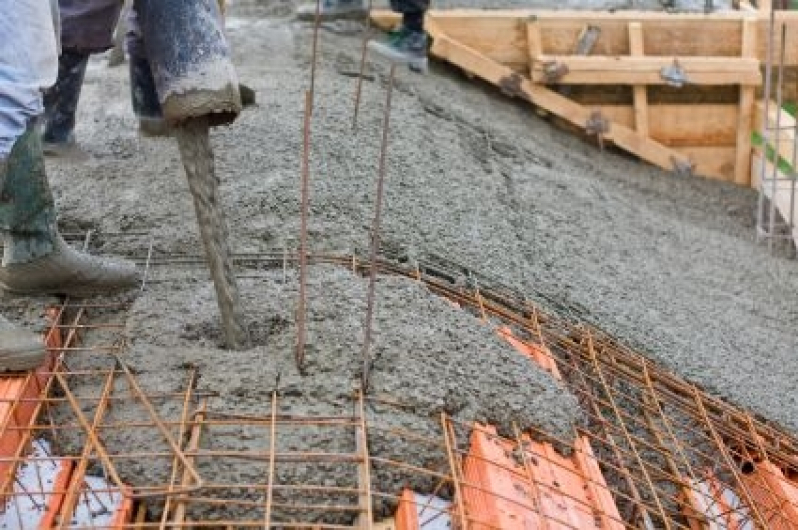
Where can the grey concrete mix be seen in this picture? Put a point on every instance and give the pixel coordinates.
(668, 264)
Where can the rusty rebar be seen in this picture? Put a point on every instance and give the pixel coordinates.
(301, 320)
(375, 233)
(362, 72)
(314, 56)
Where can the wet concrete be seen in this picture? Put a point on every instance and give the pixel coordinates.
(666, 263)
(429, 356)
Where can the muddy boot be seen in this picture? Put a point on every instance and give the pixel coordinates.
(332, 10)
(144, 98)
(36, 260)
(404, 46)
(20, 350)
(61, 103)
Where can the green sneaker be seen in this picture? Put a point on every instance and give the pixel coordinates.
(332, 10)
(404, 46)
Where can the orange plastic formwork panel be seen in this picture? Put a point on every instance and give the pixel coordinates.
(495, 492)
(555, 493)
(776, 496)
(406, 513)
(537, 353)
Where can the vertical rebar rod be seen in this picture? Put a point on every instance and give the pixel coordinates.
(363, 54)
(272, 450)
(314, 53)
(303, 237)
(375, 234)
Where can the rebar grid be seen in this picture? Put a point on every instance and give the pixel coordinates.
(663, 446)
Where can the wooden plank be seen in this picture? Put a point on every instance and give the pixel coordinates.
(713, 162)
(534, 44)
(647, 70)
(513, 83)
(742, 172)
(683, 125)
(640, 92)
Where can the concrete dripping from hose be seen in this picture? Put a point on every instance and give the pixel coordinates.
(197, 155)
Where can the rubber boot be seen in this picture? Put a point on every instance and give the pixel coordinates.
(61, 103)
(193, 74)
(144, 99)
(20, 350)
(36, 260)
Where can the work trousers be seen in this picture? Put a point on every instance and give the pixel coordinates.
(87, 26)
(28, 64)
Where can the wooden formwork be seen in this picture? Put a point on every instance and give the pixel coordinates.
(677, 90)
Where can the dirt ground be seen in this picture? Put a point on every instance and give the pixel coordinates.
(666, 263)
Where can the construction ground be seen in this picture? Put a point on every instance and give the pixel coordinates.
(671, 329)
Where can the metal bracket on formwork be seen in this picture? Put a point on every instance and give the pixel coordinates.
(553, 71)
(511, 86)
(597, 124)
(674, 75)
(683, 167)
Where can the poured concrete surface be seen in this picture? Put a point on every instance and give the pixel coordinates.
(429, 356)
(668, 264)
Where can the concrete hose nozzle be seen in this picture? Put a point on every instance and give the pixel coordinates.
(190, 60)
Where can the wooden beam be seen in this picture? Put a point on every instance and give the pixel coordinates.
(515, 84)
(683, 124)
(742, 166)
(647, 70)
(640, 92)
(534, 45)
(715, 162)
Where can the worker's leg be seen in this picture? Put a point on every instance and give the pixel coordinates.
(35, 258)
(408, 43)
(61, 102)
(27, 62)
(87, 27)
(143, 94)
